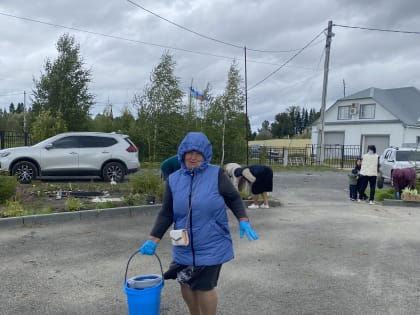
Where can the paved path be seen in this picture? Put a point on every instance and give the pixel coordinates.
(318, 253)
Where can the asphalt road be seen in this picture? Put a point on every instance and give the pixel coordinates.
(318, 253)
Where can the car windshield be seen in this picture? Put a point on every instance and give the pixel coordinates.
(408, 155)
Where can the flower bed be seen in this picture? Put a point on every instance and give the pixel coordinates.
(410, 197)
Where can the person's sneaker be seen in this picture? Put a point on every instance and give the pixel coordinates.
(359, 200)
(253, 206)
(371, 202)
(264, 206)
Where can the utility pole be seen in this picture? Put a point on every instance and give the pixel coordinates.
(246, 109)
(24, 111)
(344, 88)
(324, 87)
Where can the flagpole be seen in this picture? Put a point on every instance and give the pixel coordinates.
(189, 96)
(246, 109)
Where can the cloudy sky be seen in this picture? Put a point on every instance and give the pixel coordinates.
(122, 41)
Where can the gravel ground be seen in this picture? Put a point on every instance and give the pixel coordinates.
(318, 253)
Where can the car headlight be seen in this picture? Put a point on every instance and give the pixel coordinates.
(4, 154)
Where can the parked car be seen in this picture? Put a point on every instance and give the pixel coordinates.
(393, 158)
(270, 153)
(108, 155)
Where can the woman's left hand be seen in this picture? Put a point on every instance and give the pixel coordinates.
(245, 227)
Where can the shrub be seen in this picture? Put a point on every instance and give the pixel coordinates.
(13, 209)
(382, 194)
(132, 199)
(149, 184)
(105, 205)
(8, 186)
(72, 204)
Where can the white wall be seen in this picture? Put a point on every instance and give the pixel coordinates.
(353, 133)
(411, 135)
(380, 112)
(356, 127)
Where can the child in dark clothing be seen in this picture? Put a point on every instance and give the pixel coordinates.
(358, 167)
(353, 184)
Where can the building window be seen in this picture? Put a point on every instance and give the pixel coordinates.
(344, 113)
(367, 111)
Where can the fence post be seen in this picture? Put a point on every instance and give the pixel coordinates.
(26, 136)
(285, 157)
(342, 156)
(2, 132)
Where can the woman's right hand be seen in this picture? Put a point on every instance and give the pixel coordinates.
(148, 248)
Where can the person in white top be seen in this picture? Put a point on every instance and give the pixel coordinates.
(369, 173)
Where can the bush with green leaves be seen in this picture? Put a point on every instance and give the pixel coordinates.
(382, 194)
(73, 204)
(105, 205)
(8, 186)
(13, 209)
(147, 183)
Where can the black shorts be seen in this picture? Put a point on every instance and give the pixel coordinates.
(201, 278)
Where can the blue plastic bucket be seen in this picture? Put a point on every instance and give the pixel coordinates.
(143, 292)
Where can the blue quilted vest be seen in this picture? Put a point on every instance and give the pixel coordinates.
(207, 221)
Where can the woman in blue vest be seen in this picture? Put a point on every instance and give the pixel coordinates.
(195, 200)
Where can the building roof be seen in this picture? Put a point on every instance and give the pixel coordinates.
(403, 103)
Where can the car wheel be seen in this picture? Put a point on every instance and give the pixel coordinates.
(24, 171)
(380, 181)
(113, 171)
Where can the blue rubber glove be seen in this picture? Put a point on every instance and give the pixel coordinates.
(245, 227)
(148, 248)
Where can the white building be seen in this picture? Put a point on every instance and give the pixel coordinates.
(383, 117)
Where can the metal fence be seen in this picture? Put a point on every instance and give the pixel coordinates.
(9, 139)
(338, 156)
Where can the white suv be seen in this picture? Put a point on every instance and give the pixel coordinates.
(108, 155)
(394, 158)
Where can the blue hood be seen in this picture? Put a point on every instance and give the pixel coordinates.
(195, 141)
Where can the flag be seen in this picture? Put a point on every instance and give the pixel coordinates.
(197, 95)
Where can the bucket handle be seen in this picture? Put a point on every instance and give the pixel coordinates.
(132, 256)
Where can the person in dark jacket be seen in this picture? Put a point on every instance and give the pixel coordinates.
(195, 201)
(169, 166)
(261, 179)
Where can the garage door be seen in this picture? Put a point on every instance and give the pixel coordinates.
(380, 141)
(334, 138)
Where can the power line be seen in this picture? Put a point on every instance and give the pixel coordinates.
(287, 61)
(208, 37)
(126, 39)
(112, 36)
(12, 94)
(378, 29)
(133, 40)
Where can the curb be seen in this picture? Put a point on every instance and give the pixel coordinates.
(400, 203)
(84, 215)
(76, 216)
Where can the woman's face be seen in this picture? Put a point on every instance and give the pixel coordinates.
(193, 159)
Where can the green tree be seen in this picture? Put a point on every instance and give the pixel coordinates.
(282, 126)
(225, 119)
(104, 122)
(159, 110)
(265, 132)
(47, 125)
(63, 87)
(125, 122)
(12, 108)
